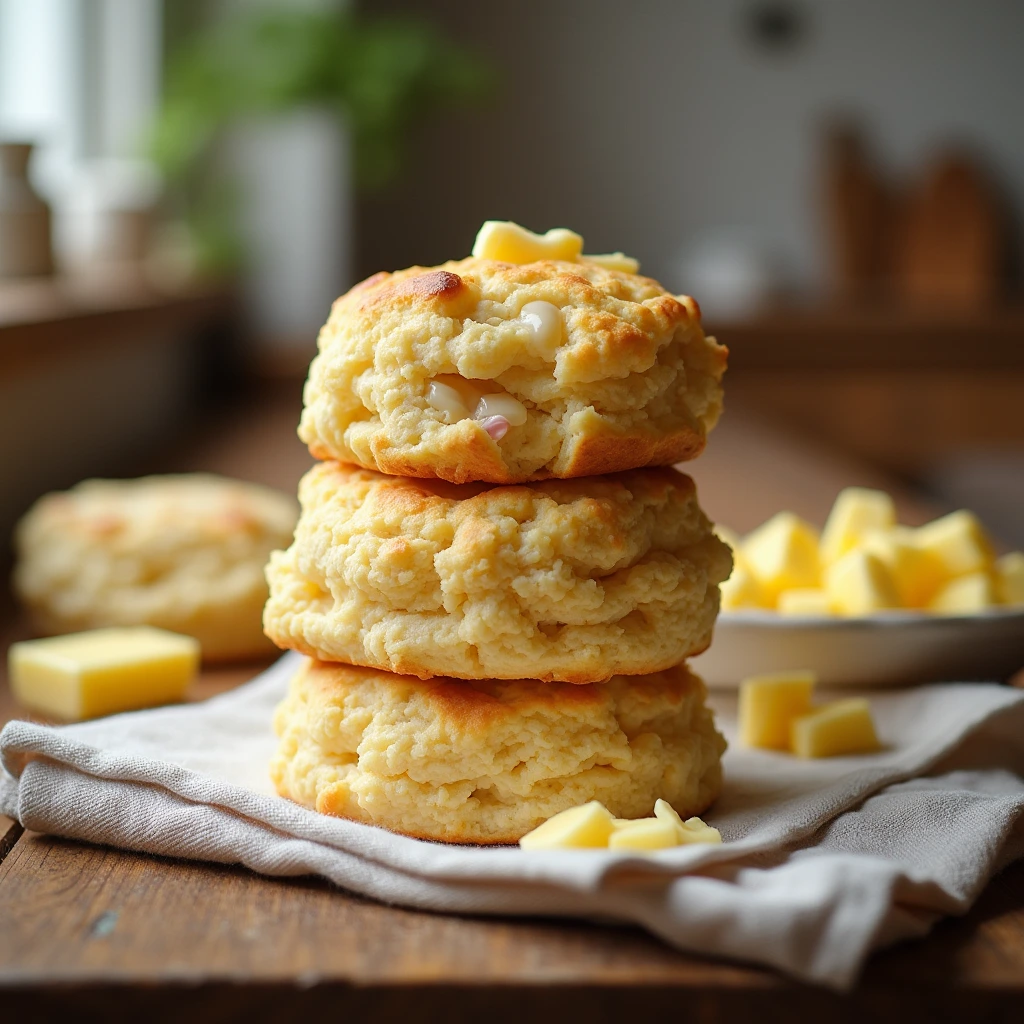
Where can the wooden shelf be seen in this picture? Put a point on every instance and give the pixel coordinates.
(874, 337)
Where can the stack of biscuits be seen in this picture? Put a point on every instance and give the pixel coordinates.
(496, 576)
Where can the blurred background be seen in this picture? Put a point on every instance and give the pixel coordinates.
(185, 185)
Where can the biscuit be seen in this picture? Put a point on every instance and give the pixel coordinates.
(574, 580)
(485, 762)
(609, 373)
(185, 553)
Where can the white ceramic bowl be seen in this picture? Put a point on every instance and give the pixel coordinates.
(890, 649)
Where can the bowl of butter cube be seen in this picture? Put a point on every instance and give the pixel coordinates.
(868, 602)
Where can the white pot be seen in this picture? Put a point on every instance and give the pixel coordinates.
(294, 175)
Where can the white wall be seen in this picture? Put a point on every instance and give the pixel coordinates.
(643, 124)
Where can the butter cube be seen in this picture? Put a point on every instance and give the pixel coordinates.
(783, 553)
(966, 595)
(588, 825)
(769, 704)
(856, 511)
(844, 727)
(644, 834)
(859, 584)
(614, 261)
(1010, 578)
(742, 590)
(959, 542)
(805, 601)
(693, 830)
(916, 572)
(508, 242)
(103, 671)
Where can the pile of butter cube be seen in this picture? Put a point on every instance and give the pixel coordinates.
(865, 562)
(592, 825)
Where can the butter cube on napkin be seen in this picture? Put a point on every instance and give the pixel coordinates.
(843, 727)
(587, 825)
(103, 671)
(769, 704)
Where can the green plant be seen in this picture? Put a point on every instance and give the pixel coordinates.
(380, 75)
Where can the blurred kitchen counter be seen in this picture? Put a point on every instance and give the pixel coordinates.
(903, 388)
(84, 929)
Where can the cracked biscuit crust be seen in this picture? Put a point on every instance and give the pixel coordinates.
(486, 762)
(631, 381)
(572, 581)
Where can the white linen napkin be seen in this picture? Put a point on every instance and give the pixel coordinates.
(822, 862)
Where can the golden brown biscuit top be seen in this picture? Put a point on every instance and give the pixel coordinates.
(614, 321)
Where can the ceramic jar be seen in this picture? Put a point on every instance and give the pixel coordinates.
(25, 247)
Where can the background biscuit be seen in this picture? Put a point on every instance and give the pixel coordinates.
(185, 553)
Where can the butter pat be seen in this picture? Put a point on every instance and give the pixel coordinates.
(508, 242)
(856, 511)
(768, 706)
(783, 553)
(966, 595)
(804, 601)
(614, 261)
(693, 830)
(844, 727)
(644, 834)
(959, 542)
(1010, 577)
(859, 584)
(103, 671)
(589, 825)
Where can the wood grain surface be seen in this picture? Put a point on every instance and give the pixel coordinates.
(95, 933)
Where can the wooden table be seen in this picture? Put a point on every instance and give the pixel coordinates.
(93, 931)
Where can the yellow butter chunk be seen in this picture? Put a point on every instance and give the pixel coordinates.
(916, 573)
(859, 584)
(959, 542)
(965, 595)
(856, 511)
(644, 834)
(693, 830)
(614, 261)
(1010, 578)
(804, 601)
(503, 240)
(742, 590)
(783, 553)
(103, 671)
(588, 825)
(769, 704)
(844, 727)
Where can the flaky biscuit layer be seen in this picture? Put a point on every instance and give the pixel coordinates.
(485, 762)
(573, 580)
(632, 382)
